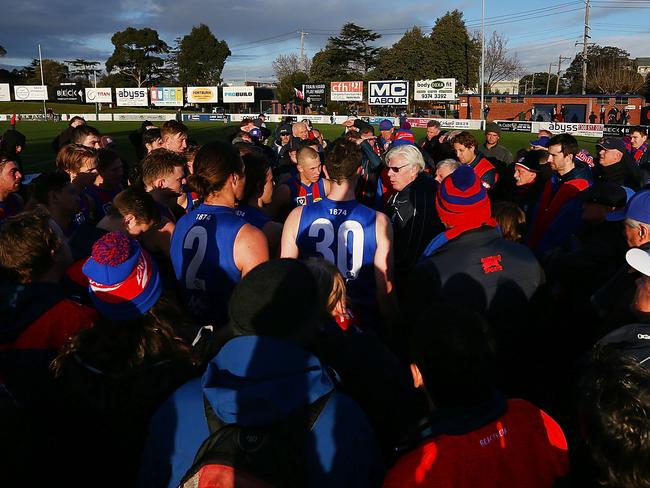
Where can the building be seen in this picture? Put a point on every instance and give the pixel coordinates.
(507, 87)
(541, 107)
(643, 66)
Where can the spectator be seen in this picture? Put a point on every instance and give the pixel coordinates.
(10, 179)
(465, 146)
(639, 151)
(386, 131)
(509, 442)
(38, 315)
(530, 180)
(411, 208)
(111, 377)
(615, 165)
(445, 167)
(12, 145)
(241, 387)
(511, 220)
(86, 135)
(491, 147)
(433, 144)
(559, 209)
(174, 136)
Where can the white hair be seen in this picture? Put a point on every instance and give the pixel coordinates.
(411, 154)
(452, 164)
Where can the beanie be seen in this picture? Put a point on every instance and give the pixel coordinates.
(492, 127)
(462, 199)
(124, 282)
(403, 137)
(277, 298)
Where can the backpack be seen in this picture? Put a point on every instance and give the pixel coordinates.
(260, 456)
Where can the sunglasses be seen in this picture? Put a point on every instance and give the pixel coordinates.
(396, 169)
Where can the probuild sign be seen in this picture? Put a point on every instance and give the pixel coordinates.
(388, 92)
(132, 97)
(238, 94)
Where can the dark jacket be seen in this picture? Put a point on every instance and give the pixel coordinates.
(481, 271)
(246, 384)
(625, 173)
(437, 150)
(415, 220)
(498, 152)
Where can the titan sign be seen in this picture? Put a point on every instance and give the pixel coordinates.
(388, 92)
(99, 95)
(132, 97)
(202, 94)
(346, 91)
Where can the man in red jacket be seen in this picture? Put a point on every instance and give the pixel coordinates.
(474, 436)
(465, 145)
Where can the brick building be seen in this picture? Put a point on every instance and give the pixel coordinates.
(527, 107)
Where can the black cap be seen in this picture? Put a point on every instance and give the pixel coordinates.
(632, 340)
(605, 193)
(277, 298)
(613, 143)
(285, 130)
(531, 160)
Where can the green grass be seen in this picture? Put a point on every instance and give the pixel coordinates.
(38, 156)
(66, 108)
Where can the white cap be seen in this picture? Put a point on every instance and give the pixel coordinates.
(639, 260)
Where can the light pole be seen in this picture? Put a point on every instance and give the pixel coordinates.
(40, 61)
(483, 60)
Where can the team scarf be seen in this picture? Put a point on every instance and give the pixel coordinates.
(637, 154)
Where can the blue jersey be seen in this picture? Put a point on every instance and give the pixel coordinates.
(343, 233)
(302, 194)
(253, 216)
(203, 260)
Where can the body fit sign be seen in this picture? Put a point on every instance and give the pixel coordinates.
(388, 92)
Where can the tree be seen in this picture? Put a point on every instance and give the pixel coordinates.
(287, 64)
(136, 54)
(536, 84)
(3, 51)
(457, 54)
(352, 50)
(410, 58)
(82, 70)
(53, 72)
(287, 84)
(614, 76)
(325, 67)
(603, 56)
(201, 57)
(499, 63)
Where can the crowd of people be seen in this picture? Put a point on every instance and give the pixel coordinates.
(279, 309)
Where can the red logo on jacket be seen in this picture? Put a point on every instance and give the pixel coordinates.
(491, 264)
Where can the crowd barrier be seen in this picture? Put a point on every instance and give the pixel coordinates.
(576, 129)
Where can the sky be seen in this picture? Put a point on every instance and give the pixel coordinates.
(257, 31)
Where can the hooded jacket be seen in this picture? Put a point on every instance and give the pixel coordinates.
(246, 384)
(36, 320)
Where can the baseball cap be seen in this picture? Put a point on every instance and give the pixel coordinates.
(542, 141)
(530, 161)
(285, 130)
(385, 125)
(618, 215)
(632, 340)
(612, 143)
(638, 208)
(123, 280)
(639, 260)
(605, 193)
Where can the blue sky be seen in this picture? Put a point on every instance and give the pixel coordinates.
(257, 31)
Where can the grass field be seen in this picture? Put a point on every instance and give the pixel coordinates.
(38, 156)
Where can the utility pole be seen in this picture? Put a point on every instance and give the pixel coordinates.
(559, 68)
(302, 46)
(584, 48)
(548, 79)
(40, 62)
(532, 88)
(482, 115)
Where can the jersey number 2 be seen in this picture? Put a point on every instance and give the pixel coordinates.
(199, 234)
(350, 265)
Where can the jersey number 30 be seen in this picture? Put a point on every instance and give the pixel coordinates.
(348, 259)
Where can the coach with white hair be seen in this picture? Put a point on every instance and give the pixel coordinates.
(412, 208)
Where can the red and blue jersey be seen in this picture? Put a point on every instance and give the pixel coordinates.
(11, 206)
(192, 201)
(302, 194)
(203, 259)
(343, 233)
(485, 170)
(102, 199)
